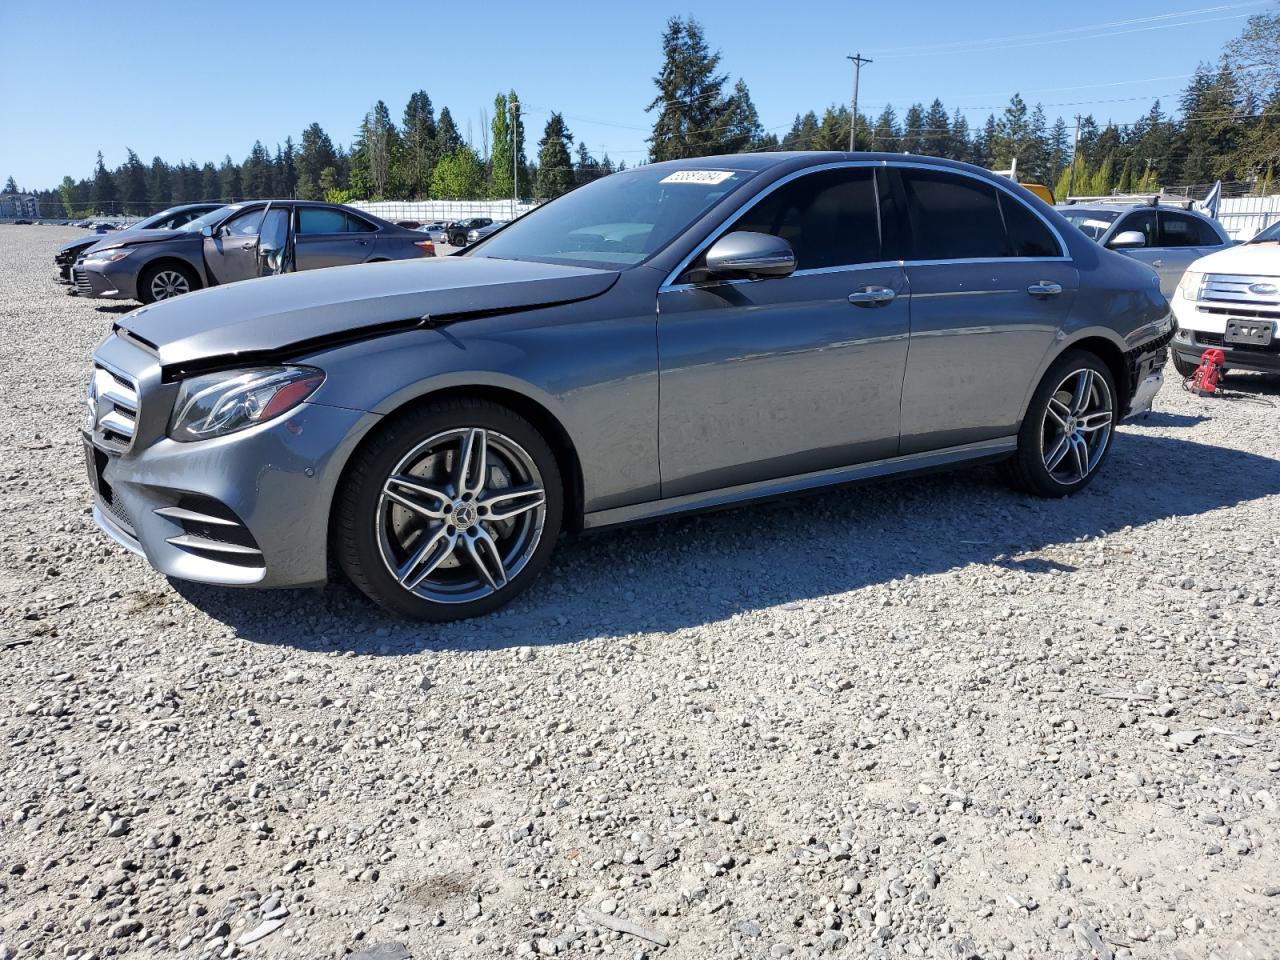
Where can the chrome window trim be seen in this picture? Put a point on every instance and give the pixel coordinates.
(669, 284)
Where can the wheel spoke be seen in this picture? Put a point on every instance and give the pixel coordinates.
(426, 558)
(1060, 449)
(1091, 422)
(1081, 451)
(512, 502)
(436, 500)
(1059, 412)
(1083, 392)
(485, 556)
(473, 462)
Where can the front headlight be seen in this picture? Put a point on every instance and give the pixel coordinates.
(472, 236)
(216, 404)
(107, 256)
(1189, 288)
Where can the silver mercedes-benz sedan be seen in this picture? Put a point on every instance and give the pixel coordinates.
(681, 336)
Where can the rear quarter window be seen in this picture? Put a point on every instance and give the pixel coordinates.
(1028, 235)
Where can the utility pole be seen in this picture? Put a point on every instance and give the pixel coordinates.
(858, 60)
(515, 156)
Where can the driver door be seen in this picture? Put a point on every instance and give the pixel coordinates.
(231, 254)
(769, 378)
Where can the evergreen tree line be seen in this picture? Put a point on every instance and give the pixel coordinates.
(1228, 129)
(425, 156)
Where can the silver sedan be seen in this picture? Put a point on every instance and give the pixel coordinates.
(682, 336)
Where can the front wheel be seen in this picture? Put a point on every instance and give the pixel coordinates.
(166, 281)
(1185, 368)
(450, 511)
(1068, 429)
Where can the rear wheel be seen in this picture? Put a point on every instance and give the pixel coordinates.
(450, 511)
(1068, 429)
(166, 281)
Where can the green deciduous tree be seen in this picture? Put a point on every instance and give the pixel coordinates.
(459, 175)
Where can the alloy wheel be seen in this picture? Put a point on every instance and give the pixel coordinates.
(460, 516)
(1077, 426)
(169, 283)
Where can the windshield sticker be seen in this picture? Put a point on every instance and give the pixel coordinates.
(705, 177)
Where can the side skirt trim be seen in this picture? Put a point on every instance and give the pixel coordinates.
(767, 489)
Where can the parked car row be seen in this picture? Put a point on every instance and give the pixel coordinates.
(235, 242)
(680, 336)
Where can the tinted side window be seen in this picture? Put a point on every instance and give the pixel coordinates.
(1028, 236)
(245, 225)
(357, 225)
(952, 217)
(1144, 222)
(1179, 230)
(320, 220)
(829, 218)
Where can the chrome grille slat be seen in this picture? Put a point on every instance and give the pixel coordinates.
(1229, 288)
(113, 407)
(193, 542)
(193, 516)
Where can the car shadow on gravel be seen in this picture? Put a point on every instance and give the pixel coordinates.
(688, 572)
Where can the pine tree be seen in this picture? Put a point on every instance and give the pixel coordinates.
(448, 139)
(887, 137)
(420, 150)
(229, 182)
(315, 155)
(288, 170)
(159, 186)
(210, 187)
(104, 193)
(694, 114)
(255, 173)
(1059, 149)
(803, 134)
(937, 132)
(10, 186)
(587, 168)
(833, 131)
(133, 185)
(555, 165)
(741, 123)
(913, 130)
(374, 155)
(960, 144)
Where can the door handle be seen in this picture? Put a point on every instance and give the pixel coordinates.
(871, 297)
(1157, 263)
(1045, 288)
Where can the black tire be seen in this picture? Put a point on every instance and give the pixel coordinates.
(360, 530)
(1185, 368)
(1027, 469)
(148, 275)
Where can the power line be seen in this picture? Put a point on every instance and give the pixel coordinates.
(1060, 36)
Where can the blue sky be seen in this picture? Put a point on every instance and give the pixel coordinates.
(163, 78)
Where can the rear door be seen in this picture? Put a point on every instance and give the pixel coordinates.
(1183, 240)
(330, 237)
(991, 285)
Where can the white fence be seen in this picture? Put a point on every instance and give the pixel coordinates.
(425, 211)
(1244, 217)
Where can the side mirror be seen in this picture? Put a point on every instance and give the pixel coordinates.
(1127, 239)
(751, 255)
(206, 231)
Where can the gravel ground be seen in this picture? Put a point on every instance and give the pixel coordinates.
(926, 719)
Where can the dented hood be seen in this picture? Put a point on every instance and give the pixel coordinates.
(269, 317)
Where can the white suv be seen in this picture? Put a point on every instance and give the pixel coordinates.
(1231, 300)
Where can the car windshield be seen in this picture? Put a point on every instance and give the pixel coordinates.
(1092, 223)
(209, 219)
(1269, 235)
(617, 221)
